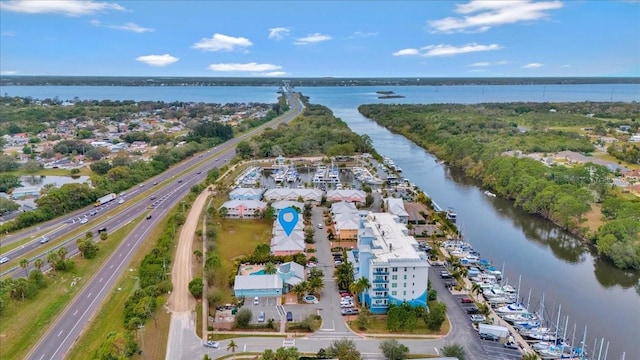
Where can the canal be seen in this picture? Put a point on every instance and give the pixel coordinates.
(592, 292)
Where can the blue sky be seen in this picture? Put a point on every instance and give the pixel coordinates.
(320, 38)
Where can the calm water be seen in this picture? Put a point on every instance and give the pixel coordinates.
(591, 291)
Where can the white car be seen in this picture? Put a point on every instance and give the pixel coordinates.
(4, 260)
(212, 344)
(44, 240)
(84, 221)
(320, 226)
(121, 201)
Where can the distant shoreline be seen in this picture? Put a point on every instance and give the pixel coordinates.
(16, 80)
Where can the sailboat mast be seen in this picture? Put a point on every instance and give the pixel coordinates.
(564, 333)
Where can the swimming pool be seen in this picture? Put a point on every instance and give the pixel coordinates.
(259, 272)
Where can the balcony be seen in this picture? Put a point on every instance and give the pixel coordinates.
(379, 288)
(380, 281)
(380, 272)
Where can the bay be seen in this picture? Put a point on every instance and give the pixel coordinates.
(592, 292)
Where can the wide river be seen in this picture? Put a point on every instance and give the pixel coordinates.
(592, 292)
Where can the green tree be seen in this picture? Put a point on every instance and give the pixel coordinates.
(117, 346)
(7, 205)
(38, 264)
(343, 350)
(104, 236)
(453, 350)
(269, 268)
(437, 315)
(243, 318)
(359, 287)
(530, 356)
(196, 287)
(393, 350)
(300, 289)
(290, 353)
(8, 182)
(52, 259)
(223, 212)
(24, 263)
(232, 347)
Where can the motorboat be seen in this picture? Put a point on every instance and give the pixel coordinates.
(516, 308)
(489, 193)
(514, 318)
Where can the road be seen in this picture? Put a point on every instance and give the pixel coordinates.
(69, 325)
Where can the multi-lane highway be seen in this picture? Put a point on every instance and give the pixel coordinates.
(68, 326)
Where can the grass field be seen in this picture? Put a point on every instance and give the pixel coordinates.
(378, 325)
(110, 316)
(594, 218)
(85, 171)
(26, 322)
(240, 237)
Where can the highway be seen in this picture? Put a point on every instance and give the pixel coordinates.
(69, 325)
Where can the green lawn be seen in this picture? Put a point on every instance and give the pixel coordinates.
(378, 325)
(25, 322)
(240, 237)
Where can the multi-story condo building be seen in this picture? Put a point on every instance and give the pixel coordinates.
(390, 259)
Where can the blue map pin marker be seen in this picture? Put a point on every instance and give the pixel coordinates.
(288, 218)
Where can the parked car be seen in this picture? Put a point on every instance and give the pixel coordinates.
(212, 344)
(473, 310)
(350, 311)
(466, 300)
(261, 317)
(485, 336)
(289, 316)
(4, 260)
(477, 318)
(44, 240)
(511, 345)
(256, 301)
(445, 275)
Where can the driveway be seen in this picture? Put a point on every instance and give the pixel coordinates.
(333, 325)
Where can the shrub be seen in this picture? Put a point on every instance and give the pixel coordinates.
(243, 317)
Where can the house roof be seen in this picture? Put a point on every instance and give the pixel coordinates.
(257, 282)
(281, 204)
(396, 206)
(347, 222)
(293, 242)
(277, 228)
(250, 204)
(295, 270)
(307, 194)
(245, 192)
(343, 207)
(346, 193)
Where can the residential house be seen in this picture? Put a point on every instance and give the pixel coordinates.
(250, 286)
(279, 205)
(349, 195)
(25, 192)
(307, 195)
(246, 194)
(244, 209)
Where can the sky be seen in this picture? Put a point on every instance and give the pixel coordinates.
(332, 38)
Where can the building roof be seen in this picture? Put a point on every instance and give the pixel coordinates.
(396, 206)
(292, 271)
(277, 228)
(248, 204)
(347, 193)
(281, 204)
(343, 207)
(415, 211)
(347, 222)
(391, 242)
(257, 282)
(282, 242)
(245, 192)
(306, 194)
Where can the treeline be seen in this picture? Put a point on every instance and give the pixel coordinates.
(475, 138)
(314, 132)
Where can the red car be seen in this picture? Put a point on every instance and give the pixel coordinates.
(466, 300)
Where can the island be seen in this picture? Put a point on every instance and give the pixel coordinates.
(388, 95)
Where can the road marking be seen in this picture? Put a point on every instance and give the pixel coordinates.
(437, 351)
(60, 333)
(101, 279)
(74, 314)
(89, 295)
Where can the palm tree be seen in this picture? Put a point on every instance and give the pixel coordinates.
(52, 259)
(300, 289)
(24, 263)
(315, 285)
(232, 347)
(269, 268)
(530, 356)
(62, 253)
(37, 264)
(223, 212)
(476, 288)
(359, 287)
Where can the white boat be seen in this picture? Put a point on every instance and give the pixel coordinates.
(513, 318)
(517, 308)
(489, 193)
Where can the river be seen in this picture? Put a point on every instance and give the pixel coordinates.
(591, 291)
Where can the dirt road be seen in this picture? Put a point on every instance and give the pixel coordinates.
(180, 299)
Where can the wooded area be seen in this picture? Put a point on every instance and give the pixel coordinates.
(476, 137)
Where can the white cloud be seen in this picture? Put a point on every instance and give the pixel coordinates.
(222, 42)
(278, 33)
(9, 72)
(406, 52)
(479, 15)
(252, 66)
(275, 73)
(133, 27)
(487, 63)
(65, 7)
(448, 50)
(532, 66)
(362, 34)
(7, 33)
(158, 60)
(312, 39)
